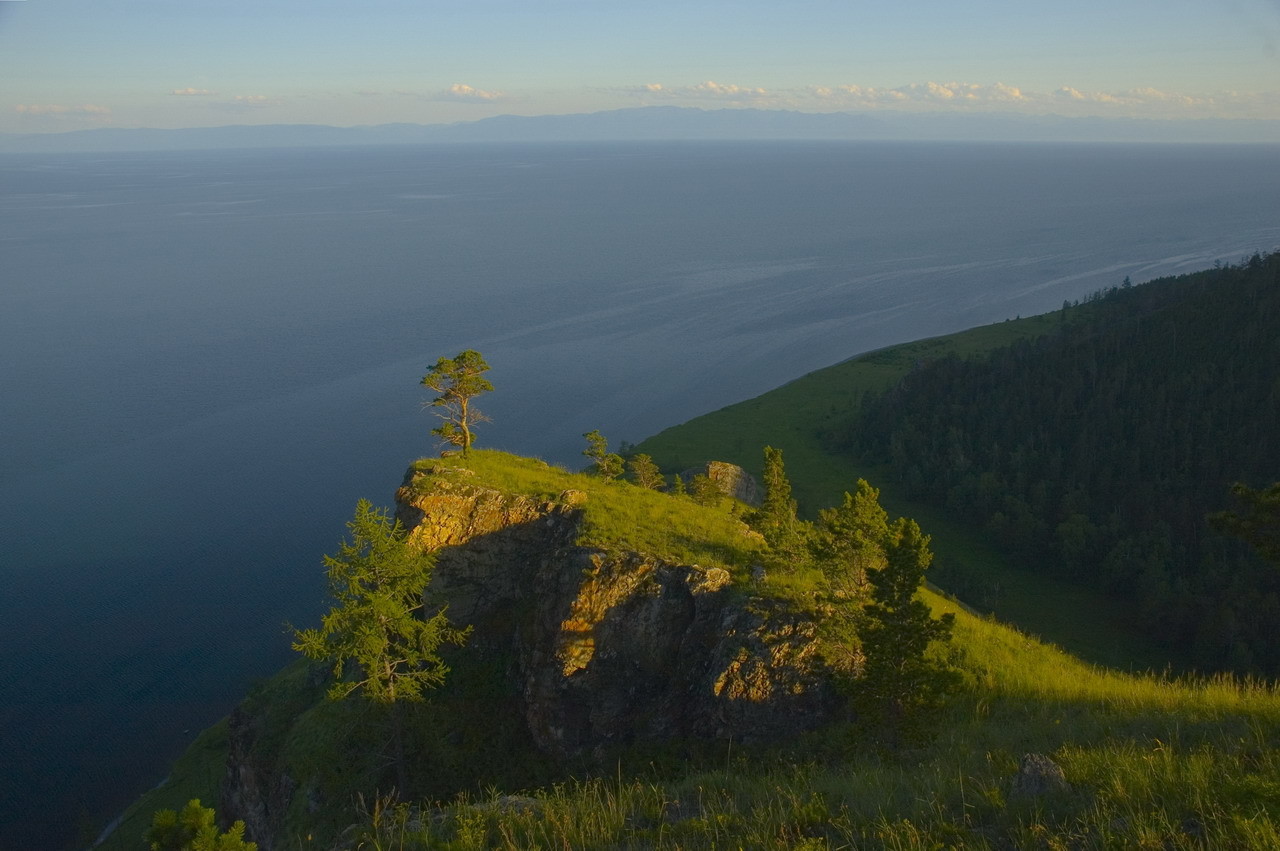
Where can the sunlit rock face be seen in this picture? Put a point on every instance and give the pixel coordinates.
(609, 647)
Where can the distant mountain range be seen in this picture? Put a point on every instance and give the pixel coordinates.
(664, 123)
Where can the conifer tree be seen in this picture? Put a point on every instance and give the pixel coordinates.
(705, 491)
(458, 380)
(776, 519)
(194, 829)
(608, 464)
(645, 471)
(1258, 523)
(778, 508)
(900, 684)
(850, 539)
(378, 581)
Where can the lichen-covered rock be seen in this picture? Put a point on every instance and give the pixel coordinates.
(486, 541)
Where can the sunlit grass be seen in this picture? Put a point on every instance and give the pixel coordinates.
(1006, 662)
(621, 515)
(1150, 762)
(932, 803)
(792, 418)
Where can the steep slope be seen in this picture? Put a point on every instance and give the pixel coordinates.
(1097, 451)
(568, 615)
(589, 637)
(610, 644)
(798, 418)
(1040, 750)
(1069, 457)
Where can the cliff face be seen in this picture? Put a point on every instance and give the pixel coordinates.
(601, 647)
(610, 646)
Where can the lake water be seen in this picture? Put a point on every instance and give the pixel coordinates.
(206, 358)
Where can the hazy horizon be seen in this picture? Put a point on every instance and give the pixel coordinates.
(81, 63)
(669, 123)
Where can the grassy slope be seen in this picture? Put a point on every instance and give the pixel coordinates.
(790, 417)
(621, 515)
(198, 773)
(618, 515)
(1152, 762)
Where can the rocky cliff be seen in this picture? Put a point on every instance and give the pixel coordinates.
(602, 647)
(610, 646)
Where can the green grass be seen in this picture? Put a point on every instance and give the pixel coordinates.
(620, 515)
(1151, 762)
(791, 417)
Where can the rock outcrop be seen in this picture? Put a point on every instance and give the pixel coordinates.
(611, 647)
(731, 479)
(602, 647)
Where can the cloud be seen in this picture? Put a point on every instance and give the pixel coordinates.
(713, 89)
(190, 92)
(88, 111)
(467, 94)
(457, 93)
(706, 92)
(960, 96)
(1143, 102)
(243, 103)
(930, 93)
(1143, 98)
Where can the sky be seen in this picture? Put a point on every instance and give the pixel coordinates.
(75, 64)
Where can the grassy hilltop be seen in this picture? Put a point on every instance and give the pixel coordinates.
(1149, 758)
(1148, 761)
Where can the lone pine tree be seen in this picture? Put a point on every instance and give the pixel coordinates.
(458, 380)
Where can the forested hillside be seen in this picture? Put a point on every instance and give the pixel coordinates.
(1097, 451)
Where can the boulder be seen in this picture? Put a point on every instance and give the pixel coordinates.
(731, 479)
(1037, 777)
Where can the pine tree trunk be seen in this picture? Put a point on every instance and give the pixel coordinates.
(397, 750)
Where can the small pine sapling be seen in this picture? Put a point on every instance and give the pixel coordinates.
(645, 472)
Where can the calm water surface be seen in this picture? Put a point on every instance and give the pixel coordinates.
(206, 358)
